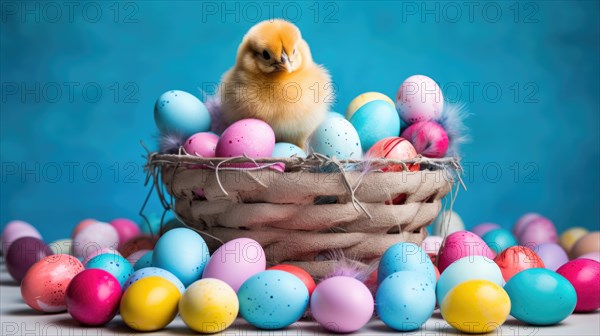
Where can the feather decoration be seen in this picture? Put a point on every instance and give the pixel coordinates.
(213, 104)
(169, 143)
(452, 120)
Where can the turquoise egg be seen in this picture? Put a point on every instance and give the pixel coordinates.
(154, 271)
(181, 113)
(285, 149)
(499, 240)
(273, 299)
(405, 300)
(182, 252)
(152, 225)
(540, 296)
(114, 264)
(336, 137)
(374, 121)
(406, 257)
(144, 261)
(465, 269)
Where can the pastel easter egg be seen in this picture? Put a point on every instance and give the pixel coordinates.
(126, 229)
(82, 225)
(406, 257)
(419, 98)
(203, 144)
(374, 121)
(447, 222)
(44, 286)
(522, 222)
(465, 269)
(553, 255)
(93, 297)
(251, 137)
(365, 98)
(208, 306)
(153, 271)
(484, 228)
(334, 115)
(135, 256)
(114, 264)
(182, 252)
(336, 137)
(150, 304)
(141, 259)
(94, 237)
(285, 150)
(461, 244)
(586, 244)
(336, 310)
(584, 275)
(272, 299)
(540, 297)
(429, 138)
(236, 261)
(181, 113)
(300, 273)
(404, 301)
(591, 255)
(569, 237)
(499, 240)
(538, 230)
(62, 246)
(15, 230)
(394, 148)
(95, 252)
(24, 253)
(516, 259)
(431, 245)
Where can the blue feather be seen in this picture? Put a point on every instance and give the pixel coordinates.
(452, 120)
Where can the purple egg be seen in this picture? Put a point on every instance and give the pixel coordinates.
(522, 222)
(22, 254)
(553, 255)
(17, 229)
(537, 231)
(484, 228)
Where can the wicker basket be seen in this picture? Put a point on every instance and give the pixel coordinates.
(301, 215)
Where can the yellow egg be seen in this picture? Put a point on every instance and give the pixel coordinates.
(150, 304)
(364, 98)
(476, 306)
(572, 235)
(209, 306)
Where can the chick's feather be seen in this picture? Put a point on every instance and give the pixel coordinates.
(275, 79)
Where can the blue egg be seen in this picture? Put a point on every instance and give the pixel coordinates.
(285, 149)
(182, 252)
(540, 296)
(374, 121)
(144, 261)
(114, 264)
(154, 271)
(336, 137)
(406, 257)
(273, 299)
(405, 300)
(152, 225)
(499, 240)
(182, 113)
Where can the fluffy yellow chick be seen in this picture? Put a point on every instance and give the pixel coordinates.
(275, 79)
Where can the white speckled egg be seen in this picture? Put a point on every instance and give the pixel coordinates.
(336, 137)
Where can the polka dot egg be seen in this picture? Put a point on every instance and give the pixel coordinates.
(336, 137)
(114, 264)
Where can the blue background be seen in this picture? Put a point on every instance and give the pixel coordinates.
(540, 132)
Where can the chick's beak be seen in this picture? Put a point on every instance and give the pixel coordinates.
(285, 63)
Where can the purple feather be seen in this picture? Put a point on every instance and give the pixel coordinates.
(452, 120)
(213, 104)
(170, 143)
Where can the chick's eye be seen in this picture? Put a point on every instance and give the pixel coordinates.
(266, 55)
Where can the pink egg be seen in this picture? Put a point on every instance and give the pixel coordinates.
(428, 138)
(92, 252)
(202, 144)
(93, 297)
(46, 282)
(94, 237)
(135, 256)
(82, 225)
(484, 228)
(342, 304)
(553, 255)
(126, 229)
(584, 275)
(592, 255)
(522, 222)
(17, 229)
(236, 261)
(419, 98)
(461, 244)
(251, 137)
(537, 231)
(431, 245)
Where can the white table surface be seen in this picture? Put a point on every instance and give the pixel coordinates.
(16, 318)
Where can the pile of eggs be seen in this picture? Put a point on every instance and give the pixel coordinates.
(374, 127)
(477, 278)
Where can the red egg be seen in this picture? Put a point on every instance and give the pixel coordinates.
(309, 282)
(22, 254)
(584, 275)
(395, 148)
(126, 229)
(44, 286)
(93, 297)
(461, 244)
(516, 259)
